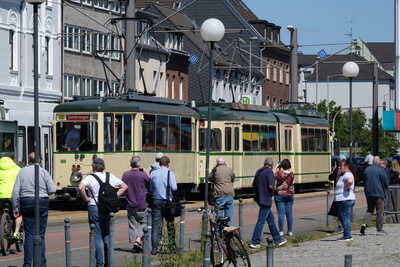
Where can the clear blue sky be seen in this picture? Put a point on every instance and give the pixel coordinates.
(328, 21)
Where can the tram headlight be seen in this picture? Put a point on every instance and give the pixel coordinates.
(76, 177)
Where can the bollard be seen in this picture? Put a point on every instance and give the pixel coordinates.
(149, 228)
(110, 247)
(182, 230)
(92, 246)
(327, 207)
(348, 260)
(146, 247)
(67, 232)
(241, 224)
(270, 252)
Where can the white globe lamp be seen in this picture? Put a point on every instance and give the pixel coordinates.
(350, 69)
(212, 30)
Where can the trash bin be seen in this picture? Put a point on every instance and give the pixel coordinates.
(392, 204)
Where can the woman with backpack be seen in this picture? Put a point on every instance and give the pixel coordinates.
(284, 197)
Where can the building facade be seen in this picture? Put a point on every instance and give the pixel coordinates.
(89, 67)
(16, 69)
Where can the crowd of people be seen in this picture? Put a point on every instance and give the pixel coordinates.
(155, 187)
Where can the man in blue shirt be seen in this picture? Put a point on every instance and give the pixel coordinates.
(375, 183)
(264, 183)
(158, 188)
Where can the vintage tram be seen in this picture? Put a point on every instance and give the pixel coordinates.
(115, 128)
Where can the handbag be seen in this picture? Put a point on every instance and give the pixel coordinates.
(173, 207)
(334, 210)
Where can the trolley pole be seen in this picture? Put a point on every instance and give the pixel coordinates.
(36, 240)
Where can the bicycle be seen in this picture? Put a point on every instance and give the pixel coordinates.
(7, 227)
(226, 246)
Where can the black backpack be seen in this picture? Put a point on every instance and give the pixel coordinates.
(108, 200)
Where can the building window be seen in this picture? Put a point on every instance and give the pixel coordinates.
(72, 38)
(101, 4)
(181, 89)
(268, 74)
(287, 74)
(142, 31)
(87, 2)
(274, 102)
(174, 41)
(275, 74)
(86, 41)
(71, 85)
(173, 87)
(49, 55)
(86, 89)
(268, 102)
(12, 44)
(281, 73)
(177, 4)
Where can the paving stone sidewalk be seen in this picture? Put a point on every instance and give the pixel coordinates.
(370, 250)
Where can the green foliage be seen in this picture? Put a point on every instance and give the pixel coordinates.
(362, 130)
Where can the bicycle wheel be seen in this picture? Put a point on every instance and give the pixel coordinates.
(217, 253)
(238, 252)
(5, 233)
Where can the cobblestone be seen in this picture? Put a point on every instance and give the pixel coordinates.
(370, 250)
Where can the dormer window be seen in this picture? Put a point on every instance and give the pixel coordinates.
(141, 28)
(177, 4)
(174, 41)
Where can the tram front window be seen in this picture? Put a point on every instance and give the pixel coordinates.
(77, 136)
(7, 144)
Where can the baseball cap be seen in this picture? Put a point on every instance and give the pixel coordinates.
(159, 155)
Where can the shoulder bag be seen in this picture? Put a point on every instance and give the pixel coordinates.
(173, 207)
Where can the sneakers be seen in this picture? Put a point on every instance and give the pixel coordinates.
(290, 233)
(283, 242)
(255, 246)
(281, 233)
(154, 251)
(345, 239)
(362, 230)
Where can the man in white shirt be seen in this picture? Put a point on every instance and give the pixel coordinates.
(102, 223)
(369, 159)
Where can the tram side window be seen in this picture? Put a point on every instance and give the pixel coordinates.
(271, 138)
(174, 134)
(76, 136)
(324, 140)
(247, 135)
(162, 133)
(228, 138)
(237, 138)
(264, 138)
(288, 139)
(255, 129)
(108, 133)
(216, 139)
(186, 134)
(148, 132)
(127, 132)
(318, 140)
(304, 139)
(118, 132)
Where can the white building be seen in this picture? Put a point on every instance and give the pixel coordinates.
(16, 68)
(332, 85)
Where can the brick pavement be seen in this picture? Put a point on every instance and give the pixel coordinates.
(370, 250)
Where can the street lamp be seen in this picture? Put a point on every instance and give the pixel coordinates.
(350, 70)
(212, 30)
(36, 240)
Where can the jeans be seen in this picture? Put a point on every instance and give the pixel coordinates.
(225, 202)
(27, 208)
(102, 235)
(345, 209)
(158, 214)
(136, 222)
(265, 214)
(284, 205)
(378, 204)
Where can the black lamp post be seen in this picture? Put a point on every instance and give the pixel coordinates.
(212, 31)
(350, 70)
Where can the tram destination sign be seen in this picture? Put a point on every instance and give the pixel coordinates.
(84, 117)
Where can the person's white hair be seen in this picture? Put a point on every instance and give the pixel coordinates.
(220, 161)
(377, 160)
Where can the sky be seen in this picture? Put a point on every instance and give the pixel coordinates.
(329, 21)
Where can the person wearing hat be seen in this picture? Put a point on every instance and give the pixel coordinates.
(102, 223)
(222, 179)
(156, 164)
(138, 184)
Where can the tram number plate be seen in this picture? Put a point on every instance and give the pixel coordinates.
(78, 117)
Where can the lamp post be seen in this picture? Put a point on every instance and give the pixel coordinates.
(350, 70)
(36, 251)
(212, 30)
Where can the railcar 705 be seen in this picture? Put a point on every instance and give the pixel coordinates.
(115, 128)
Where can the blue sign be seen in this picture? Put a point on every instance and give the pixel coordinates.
(322, 54)
(193, 59)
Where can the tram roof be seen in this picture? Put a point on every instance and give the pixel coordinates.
(228, 112)
(141, 104)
